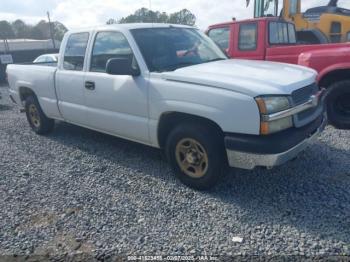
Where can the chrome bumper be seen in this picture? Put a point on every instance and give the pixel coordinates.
(250, 161)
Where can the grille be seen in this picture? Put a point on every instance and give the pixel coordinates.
(302, 95)
(307, 113)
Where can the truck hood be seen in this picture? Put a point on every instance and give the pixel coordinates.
(330, 47)
(251, 78)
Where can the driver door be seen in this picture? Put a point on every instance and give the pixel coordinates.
(116, 104)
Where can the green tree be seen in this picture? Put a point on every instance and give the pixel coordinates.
(183, 17)
(111, 21)
(6, 31)
(142, 15)
(59, 30)
(21, 29)
(145, 15)
(41, 31)
(163, 17)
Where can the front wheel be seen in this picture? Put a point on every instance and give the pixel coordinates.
(37, 120)
(196, 154)
(338, 104)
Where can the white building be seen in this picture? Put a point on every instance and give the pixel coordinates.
(27, 44)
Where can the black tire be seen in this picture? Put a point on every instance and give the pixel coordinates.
(213, 146)
(40, 123)
(338, 104)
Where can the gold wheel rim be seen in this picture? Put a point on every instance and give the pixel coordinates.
(34, 116)
(192, 158)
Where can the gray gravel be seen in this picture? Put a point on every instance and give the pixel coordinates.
(78, 191)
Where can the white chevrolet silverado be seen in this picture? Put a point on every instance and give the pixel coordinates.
(171, 87)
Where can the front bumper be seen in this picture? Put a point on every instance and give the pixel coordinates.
(266, 152)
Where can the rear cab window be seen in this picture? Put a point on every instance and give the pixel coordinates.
(282, 33)
(221, 36)
(248, 34)
(74, 55)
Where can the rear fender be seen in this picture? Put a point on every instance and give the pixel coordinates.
(17, 92)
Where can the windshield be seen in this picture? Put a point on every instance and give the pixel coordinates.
(167, 49)
(269, 7)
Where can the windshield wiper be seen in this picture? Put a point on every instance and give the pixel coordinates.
(216, 59)
(176, 66)
(185, 64)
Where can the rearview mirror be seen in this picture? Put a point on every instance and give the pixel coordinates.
(122, 66)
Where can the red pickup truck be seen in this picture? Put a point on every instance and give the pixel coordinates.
(274, 39)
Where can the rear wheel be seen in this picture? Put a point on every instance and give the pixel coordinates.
(36, 118)
(196, 154)
(338, 104)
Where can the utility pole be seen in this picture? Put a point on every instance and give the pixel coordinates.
(6, 46)
(150, 11)
(51, 31)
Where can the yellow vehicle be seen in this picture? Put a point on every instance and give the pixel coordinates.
(322, 24)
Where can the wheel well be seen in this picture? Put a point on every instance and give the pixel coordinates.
(335, 76)
(169, 121)
(25, 92)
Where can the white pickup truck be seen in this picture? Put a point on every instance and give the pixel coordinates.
(171, 87)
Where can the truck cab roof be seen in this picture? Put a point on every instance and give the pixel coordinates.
(131, 26)
(244, 21)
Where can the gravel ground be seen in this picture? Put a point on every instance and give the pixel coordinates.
(78, 191)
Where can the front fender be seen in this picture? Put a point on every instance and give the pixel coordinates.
(232, 112)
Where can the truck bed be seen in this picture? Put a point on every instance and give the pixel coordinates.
(42, 77)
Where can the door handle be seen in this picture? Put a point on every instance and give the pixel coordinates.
(90, 85)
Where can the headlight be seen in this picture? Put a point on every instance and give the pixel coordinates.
(270, 105)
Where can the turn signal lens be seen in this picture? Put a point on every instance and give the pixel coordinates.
(267, 128)
(264, 128)
(261, 104)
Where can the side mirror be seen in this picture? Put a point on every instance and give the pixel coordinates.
(122, 66)
(226, 52)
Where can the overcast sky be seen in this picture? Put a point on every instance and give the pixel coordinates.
(82, 13)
